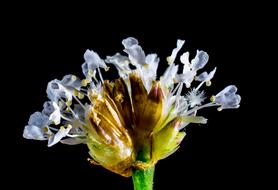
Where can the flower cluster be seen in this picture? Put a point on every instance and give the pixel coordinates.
(133, 115)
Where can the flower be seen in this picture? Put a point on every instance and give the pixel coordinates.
(133, 121)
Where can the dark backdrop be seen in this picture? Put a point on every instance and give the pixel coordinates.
(50, 43)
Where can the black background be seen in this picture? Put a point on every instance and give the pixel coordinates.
(49, 42)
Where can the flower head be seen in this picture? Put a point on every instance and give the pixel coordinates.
(134, 115)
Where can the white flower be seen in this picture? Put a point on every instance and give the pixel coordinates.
(37, 127)
(109, 110)
(228, 98)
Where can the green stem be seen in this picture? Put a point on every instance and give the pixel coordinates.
(143, 179)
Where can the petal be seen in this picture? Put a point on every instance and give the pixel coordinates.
(36, 133)
(55, 90)
(121, 63)
(136, 55)
(186, 64)
(130, 41)
(200, 60)
(175, 51)
(56, 115)
(93, 60)
(48, 108)
(71, 82)
(149, 70)
(54, 139)
(167, 79)
(38, 119)
(205, 77)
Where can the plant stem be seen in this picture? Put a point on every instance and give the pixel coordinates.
(143, 179)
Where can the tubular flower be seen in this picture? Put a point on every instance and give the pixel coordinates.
(134, 121)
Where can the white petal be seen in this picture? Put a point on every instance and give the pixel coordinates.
(58, 136)
(85, 70)
(185, 60)
(93, 60)
(130, 41)
(200, 60)
(205, 76)
(71, 82)
(135, 52)
(175, 51)
(55, 90)
(149, 70)
(56, 115)
(168, 77)
(121, 63)
(38, 119)
(36, 133)
(48, 108)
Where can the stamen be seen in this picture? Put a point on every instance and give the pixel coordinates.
(85, 82)
(78, 101)
(68, 107)
(119, 98)
(219, 109)
(74, 136)
(200, 85)
(175, 89)
(52, 128)
(212, 98)
(208, 83)
(200, 107)
(100, 76)
(73, 78)
(80, 95)
(68, 103)
(66, 118)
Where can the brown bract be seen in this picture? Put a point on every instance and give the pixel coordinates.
(121, 121)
